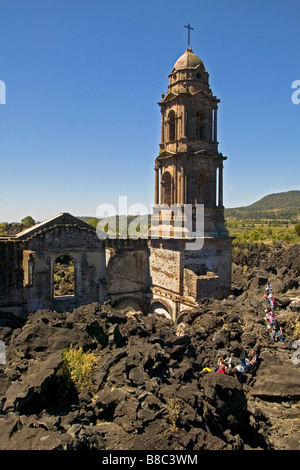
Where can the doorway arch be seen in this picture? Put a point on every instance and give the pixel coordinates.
(159, 307)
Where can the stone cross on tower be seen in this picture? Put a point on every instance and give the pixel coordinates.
(188, 26)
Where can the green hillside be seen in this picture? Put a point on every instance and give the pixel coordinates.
(284, 205)
(289, 199)
(273, 218)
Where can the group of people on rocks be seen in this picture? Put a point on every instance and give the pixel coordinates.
(273, 323)
(248, 364)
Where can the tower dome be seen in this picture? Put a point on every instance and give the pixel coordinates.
(188, 60)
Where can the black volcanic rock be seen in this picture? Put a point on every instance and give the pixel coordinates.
(151, 386)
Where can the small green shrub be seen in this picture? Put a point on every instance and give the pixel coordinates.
(296, 332)
(57, 277)
(78, 367)
(173, 407)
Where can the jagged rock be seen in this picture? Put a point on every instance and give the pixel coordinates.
(97, 331)
(277, 381)
(37, 438)
(137, 375)
(295, 305)
(126, 414)
(296, 354)
(34, 382)
(144, 361)
(106, 401)
(9, 424)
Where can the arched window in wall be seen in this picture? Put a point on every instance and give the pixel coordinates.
(172, 127)
(200, 125)
(167, 188)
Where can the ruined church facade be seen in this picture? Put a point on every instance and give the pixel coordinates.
(185, 257)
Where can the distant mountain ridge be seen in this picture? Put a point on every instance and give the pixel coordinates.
(285, 205)
(276, 205)
(277, 201)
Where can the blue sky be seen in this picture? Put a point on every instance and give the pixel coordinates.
(81, 124)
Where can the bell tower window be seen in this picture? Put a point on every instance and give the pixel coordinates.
(200, 125)
(172, 129)
(203, 189)
(167, 188)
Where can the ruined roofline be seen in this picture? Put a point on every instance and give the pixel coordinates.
(36, 226)
(44, 230)
(64, 218)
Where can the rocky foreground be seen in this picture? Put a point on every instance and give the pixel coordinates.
(150, 388)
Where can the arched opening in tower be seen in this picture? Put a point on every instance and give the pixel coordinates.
(167, 188)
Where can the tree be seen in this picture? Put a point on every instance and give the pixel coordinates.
(3, 230)
(297, 228)
(28, 221)
(94, 221)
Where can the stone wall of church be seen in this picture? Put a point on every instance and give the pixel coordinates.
(182, 277)
(88, 256)
(27, 270)
(127, 272)
(165, 268)
(214, 257)
(12, 301)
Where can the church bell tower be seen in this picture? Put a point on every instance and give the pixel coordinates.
(188, 176)
(189, 168)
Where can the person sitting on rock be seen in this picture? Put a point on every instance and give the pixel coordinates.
(248, 365)
(221, 361)
(223, 368)
(243, 357)
(239, 372)
(277, 331)
(253, 362)
(228, 363)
